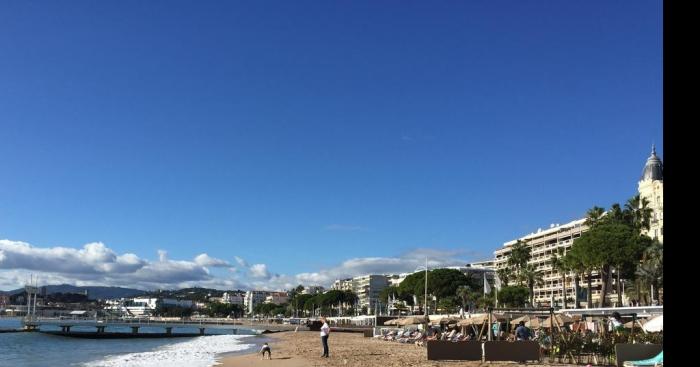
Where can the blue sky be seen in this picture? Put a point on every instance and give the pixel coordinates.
(298, 135)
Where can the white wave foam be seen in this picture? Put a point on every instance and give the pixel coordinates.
(198, 352)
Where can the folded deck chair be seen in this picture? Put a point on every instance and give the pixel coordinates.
(656, 361)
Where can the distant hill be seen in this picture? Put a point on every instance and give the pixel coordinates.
(93, 292)
(195, 294)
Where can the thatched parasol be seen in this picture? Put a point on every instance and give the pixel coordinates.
(412, 320)
(449, 320)
(530, 321)
(476, 320)
(654, 325)
(558, 320)
(640, 323)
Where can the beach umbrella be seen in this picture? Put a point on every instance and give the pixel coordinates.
(476, 320)
(412, 320)
(530, 321)
(533, 323)
(449, 320)
(516, 321)
(654, 325)
(640, 322)
(558, 320)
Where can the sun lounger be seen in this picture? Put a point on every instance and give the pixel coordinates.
(409, 338)
(449, 335)
(419, 340)
(656, 361)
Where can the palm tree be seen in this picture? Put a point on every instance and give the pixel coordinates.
(347, 298)
(593, 215)
(464, 293)
(561, 267)
(519, 256)
(504, 274)
(651, 269)
(576, 266)
(584, 264)
(638, 290)
(615, 213)
(531, 277)
(638, 213)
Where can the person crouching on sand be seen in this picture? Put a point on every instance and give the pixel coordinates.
(266, 349)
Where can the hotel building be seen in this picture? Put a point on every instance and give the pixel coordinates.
(544, 243)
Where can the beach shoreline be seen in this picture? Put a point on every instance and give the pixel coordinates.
(251, 357)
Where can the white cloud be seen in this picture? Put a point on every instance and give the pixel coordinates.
(206, 260)
(242, 263)
(405, 263)
(97, 264)
(259, 271)
(93, 258)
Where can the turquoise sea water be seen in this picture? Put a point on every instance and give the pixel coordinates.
(34, 349)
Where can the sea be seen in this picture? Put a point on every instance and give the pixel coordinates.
(36, 349)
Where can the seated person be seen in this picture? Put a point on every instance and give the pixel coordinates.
(615, 322)
(435, 336)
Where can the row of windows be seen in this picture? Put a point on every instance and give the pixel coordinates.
(549, 294)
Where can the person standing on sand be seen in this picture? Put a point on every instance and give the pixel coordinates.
(522, 332)
(325, 330)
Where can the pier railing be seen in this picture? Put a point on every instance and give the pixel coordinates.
(65, 323)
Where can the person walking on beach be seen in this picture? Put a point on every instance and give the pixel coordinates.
(325, 330)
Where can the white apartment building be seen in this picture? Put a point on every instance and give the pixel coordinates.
(544, 243)
(277, 298)
(486, 264)
(342, 284)
(252, 299)
(367, 289)
(144, 306)
(313, 289)
(234, 298)
(396, 279)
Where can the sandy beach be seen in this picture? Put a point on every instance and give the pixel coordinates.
(303, 349)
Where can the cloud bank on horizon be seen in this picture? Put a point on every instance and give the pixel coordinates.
(96, 264)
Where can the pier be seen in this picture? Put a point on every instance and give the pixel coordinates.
(101, 326)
